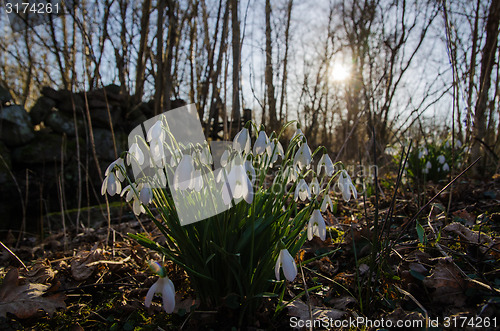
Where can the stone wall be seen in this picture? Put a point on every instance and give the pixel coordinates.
(39, 149)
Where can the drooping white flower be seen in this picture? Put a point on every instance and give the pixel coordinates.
(285, 261)
(327, 202)
(291, 174)
(164, 286)
(146, 194)
(302, 158)
(302, 191)
(446, 167)
(316, 226)
(314, 186)
(428, 165)
(156, 132)
(274, 150)
(441, 159)
(197, 181)
(237, 186)
(157, 153)
(184, 173)
(137, 207)
(135, 153)
(111, 184)
(326, 163)
(299, 133)
(346, 186)
(459, 144)
(261, 143)
(422, 152)
(242, 142)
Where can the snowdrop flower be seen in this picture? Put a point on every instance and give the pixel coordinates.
(114, 176)
(136, 204)
(314, 186)
(111, 184)
(302, 191)
(242, 142)
(135, 153)
(164, 286)
(327, 202)
(184, 173)
(316, 226)
(237, 186)
(197, 181)
(441, 159)
(146, 194)
(326, 163)
(291, 174)
(459, 143)
(425, 171)
(274, 150)
(422, 152)
(299, 133)
(446, 167)
(302, 158)
(428, 165)
(261, 143)
(346, 186)
(156, 132)
(285, 261)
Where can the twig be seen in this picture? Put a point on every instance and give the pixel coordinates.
(307, 294)
(417, 303)
(14, 255)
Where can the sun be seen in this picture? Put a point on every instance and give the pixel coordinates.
(340, 72)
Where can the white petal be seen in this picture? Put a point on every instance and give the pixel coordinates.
(288, 264)
(113, 186)
(168, 295)
(277, 267)
(183, 175)
(151, 293)
(104, 185)
(310, 226)
(261, 143)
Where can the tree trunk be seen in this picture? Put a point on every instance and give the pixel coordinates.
(487, 61)
(159, 79)
(236, 114)
(142, 53)
(271, 100)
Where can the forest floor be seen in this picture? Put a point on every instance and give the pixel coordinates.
(444, 269)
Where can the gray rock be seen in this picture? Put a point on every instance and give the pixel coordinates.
(41, 108)
(104, 143)
(15, 126)
(60, 123)
(4, 96)
(100, 117)
(70, 101)
(45, 148)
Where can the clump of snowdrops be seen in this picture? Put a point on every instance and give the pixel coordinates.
(240, 255)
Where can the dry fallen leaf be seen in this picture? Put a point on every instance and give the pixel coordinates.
(469, 235)
(26, 300)
(448, 283)
(41, 273)
(82, 267)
